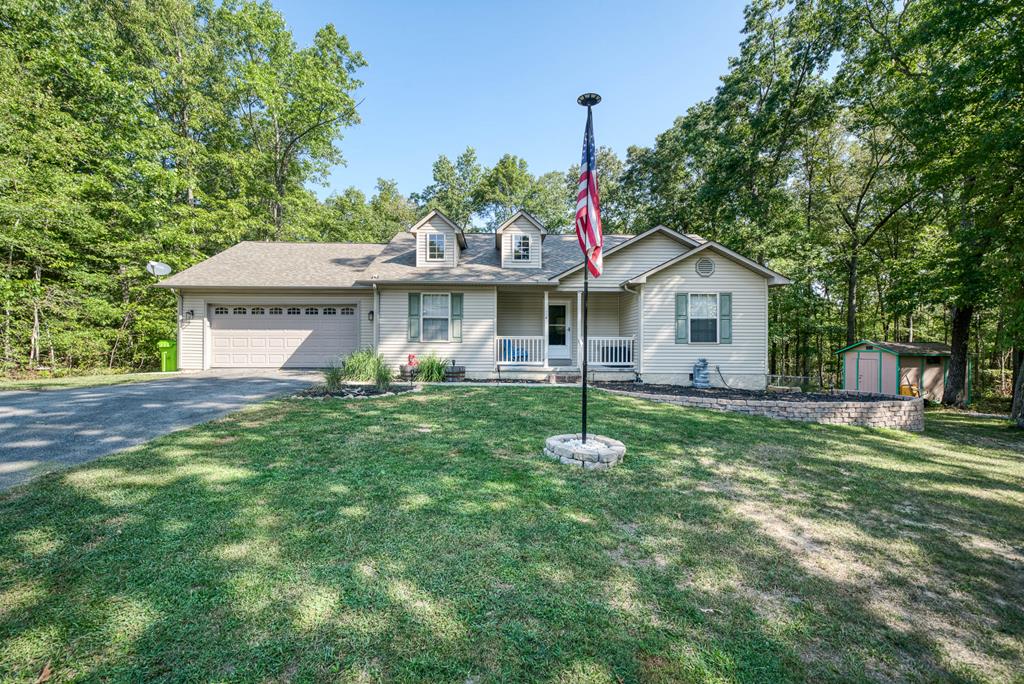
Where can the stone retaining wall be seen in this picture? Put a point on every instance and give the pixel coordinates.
(886, 412)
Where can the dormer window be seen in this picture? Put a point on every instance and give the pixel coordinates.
(435, 247)
(520, 248)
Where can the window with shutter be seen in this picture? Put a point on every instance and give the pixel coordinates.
(436, 309)
(456, 317)
(414, 316)
(682, 314)
(725, 317)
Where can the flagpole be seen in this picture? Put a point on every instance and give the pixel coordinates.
(587, 100)
(586, 279)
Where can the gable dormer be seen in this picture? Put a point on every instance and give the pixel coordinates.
(521, 241)
(439, 241)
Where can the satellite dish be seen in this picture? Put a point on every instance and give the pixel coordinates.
(158, 269)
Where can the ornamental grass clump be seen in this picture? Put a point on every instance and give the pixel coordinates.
(359, 365)
(431, 369)
(334, 377)
(382, 375)
(367, 365)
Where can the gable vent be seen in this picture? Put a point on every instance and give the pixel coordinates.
(705, 267)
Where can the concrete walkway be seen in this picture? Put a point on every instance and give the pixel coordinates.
(42, 431)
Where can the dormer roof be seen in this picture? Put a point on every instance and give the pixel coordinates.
(521, 214)
(459, 234)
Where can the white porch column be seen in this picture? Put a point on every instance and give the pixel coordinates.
(638, 353)
(545, 329)
(579, 327)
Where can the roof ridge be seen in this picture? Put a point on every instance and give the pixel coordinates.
(303, 242)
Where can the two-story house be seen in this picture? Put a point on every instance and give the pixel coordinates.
(501, 304)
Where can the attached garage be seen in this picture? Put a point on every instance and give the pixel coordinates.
(281, 335)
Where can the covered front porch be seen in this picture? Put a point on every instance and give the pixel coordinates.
(541, 330)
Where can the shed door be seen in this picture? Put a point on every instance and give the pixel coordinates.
(282, 335)
(868, 369)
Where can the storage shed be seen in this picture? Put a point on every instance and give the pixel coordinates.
(912, 368)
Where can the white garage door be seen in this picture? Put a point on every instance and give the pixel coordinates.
(282, 335)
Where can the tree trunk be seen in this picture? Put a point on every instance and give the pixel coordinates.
(33, 346)
(955, 393)
(1017, 408)
(851, 299)
(1016, 365)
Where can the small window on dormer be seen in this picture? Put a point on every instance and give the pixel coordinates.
(520, 248)
(435, 247)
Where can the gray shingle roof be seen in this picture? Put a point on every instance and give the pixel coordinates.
(480, 262)
(280, 265)
(911, 348)
(357, 264)
(906, 348)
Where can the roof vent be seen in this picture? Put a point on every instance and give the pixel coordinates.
(705, 267)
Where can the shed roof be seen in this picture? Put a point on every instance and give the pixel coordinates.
(905, 348)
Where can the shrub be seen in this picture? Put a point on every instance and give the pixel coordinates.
(334, 376)
(431, 369)
(359, 365)
(367, 365)
(382, 375)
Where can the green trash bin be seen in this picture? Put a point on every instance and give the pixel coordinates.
(168, 355)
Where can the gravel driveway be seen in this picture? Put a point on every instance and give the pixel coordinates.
(42, 431)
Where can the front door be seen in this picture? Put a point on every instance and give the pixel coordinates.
(868, 365)
(558, 331)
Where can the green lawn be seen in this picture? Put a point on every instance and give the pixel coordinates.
(75, 381)
(422, 538)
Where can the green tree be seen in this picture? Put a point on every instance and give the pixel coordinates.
(453, 187)
(291, 104)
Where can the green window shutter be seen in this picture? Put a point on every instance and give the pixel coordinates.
(725, 317)
(456, 317)
(414, 316)
(682, 317)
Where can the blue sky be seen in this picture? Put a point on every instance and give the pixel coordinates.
(503, 77)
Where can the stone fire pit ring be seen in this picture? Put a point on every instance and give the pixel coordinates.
(599, 453)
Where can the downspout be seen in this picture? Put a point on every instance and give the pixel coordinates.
(177, 327)
(376, 317)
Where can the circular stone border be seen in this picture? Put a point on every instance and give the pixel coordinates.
(600, 456)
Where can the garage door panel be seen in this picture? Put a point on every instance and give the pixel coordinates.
(254, 337)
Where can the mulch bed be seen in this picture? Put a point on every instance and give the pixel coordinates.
(724, 393)
(352, 392)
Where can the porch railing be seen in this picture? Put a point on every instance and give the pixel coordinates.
(610, 351)
(521, 350)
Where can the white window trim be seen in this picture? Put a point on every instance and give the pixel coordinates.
(718, 317)
(529, 248)
(444, 247)
(422, 317)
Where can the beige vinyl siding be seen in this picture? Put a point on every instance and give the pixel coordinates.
(521, 312)
(629, 262)
(192, 333)
(475, 352)
(451, 243)
(521, 226)
(603, 310)
(744, 362)
(629, 314)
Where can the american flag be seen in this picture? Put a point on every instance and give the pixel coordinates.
(588, 204)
